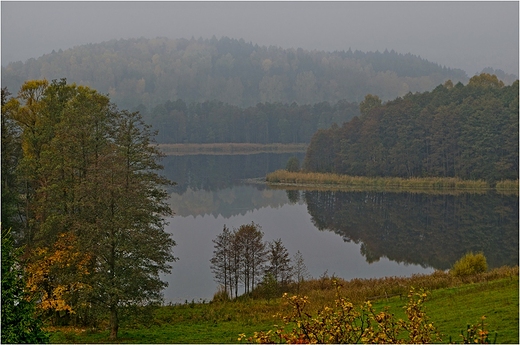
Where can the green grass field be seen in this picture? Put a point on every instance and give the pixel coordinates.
(451, 308)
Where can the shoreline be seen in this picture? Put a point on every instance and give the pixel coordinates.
(328, 181)
(229, 148)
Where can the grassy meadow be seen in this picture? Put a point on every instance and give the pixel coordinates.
(453, 304)
(346, 182)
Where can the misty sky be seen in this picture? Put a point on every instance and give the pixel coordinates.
(467, 35)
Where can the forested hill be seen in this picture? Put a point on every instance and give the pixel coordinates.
(153, 71)
(470, 132)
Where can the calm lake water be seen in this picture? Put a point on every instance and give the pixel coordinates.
(348, 234)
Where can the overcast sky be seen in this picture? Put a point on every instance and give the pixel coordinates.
(467, 35)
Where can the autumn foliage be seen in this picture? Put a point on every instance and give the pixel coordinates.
(344, 323)
(57, 274)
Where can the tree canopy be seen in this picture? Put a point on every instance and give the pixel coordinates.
(241, 258)
(470, 132)
(93, 203)
(152, 71)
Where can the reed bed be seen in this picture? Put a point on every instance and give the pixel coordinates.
(284, 177)
(507, 187)
(228, 148)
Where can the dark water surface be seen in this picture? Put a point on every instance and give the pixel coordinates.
(348, 234)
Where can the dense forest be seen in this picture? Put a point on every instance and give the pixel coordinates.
(265, 123)
(470, 132)
(152, 71)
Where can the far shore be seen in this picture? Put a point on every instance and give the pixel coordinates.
(229, 148)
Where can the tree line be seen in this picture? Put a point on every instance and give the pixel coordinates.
(470, 132)
(82, 196)
(151, 71)
(242, 259)
(265, 123)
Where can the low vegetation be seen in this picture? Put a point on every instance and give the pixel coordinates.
(493, 294)
(321, 180)
(470, 264)
(507, 187)
(342, 322)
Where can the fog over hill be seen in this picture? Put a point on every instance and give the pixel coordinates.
(147, 72)
(466, 35)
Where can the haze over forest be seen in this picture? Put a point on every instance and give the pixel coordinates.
(466, 35)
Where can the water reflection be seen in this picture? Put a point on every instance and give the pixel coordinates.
(429, 230)
(351, 234)
(216, 172)
(191, 276)
(228, 202)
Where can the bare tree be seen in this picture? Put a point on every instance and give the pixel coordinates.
(235, 262)
(221, 262)
(239, 256)
(253, 254)
(300, 270)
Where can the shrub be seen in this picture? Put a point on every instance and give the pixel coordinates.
(221, 295)
(293, 164)
(344, 323)
(470, 264)
(269, 288)
(19, 321)
(477, 334)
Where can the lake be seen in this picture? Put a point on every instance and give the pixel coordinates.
(348, 234)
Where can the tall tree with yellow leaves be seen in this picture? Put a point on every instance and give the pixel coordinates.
(95, 203)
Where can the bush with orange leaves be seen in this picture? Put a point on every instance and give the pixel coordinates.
(343, 323)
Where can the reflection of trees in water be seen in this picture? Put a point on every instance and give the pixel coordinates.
(227, 202)
(430, 230)
(207, 184)
(293, 196)
(216, 172)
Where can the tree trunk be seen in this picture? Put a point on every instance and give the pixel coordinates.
(114, 323)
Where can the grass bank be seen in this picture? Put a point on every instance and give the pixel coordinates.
(454, 303)
(228, 148)
(337, 182)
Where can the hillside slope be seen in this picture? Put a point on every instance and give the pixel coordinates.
(151, 71)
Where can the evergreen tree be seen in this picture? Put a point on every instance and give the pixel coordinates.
(279, 262)
(19, 322)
